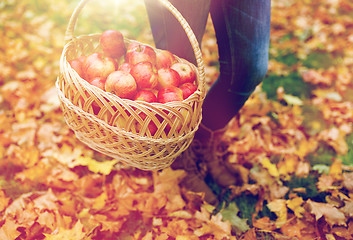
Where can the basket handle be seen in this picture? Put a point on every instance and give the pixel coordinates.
(69, 35)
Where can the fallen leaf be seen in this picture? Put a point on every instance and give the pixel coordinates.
(264, 223)
(230, 213)
(8, 230)
(104, 168)
(348, 181)
(296, 205)
(279, 207)
(336, 169)
(292, 229)
(77, 232)
(347, 209)
(272, 169)
(325, 182)
(4, 201)
(332, 215)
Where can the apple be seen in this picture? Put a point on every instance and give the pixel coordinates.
(126, 67)
(98, 82)
(170, 94)
(188, 89)
(140, 53)
(122, 84)
(76, 64)
(96, 65)
(112, 43)
(81, 58)
(145, 95)
(164, 59)
(145, 74)
(168, 77)
(186, 72)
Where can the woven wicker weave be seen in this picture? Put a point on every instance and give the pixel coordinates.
(118, 129)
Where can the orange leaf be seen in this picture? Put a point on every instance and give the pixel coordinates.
(4, 201)
(8, 230)
(75, 233)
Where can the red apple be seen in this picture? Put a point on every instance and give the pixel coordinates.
(98, 82)
(170, 94)
(76, 64)
(145, 74)
(186, 72)
(112, 43)
(188, 89)
(168, 77)
(96, 65)
(122, 84)
(126, 67)
(81, 58)
(140, 53)
(164, 59)
(145, 95)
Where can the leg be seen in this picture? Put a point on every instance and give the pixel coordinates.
(168, 34)
(167, 31)
(242, 30)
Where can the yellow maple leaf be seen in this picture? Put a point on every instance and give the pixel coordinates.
(97, 167)
(272, 168)
(4, 200)
(288, 166)
(279, 207)
(99, 202)
(295, 205)
(76, 233)
(336, 169)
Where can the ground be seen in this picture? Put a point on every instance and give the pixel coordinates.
(292, 141)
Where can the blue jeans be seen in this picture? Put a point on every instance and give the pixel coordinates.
(242, 30)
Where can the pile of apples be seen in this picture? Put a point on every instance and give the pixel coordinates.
(136, 71)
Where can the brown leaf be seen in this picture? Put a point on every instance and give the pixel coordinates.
(332, 215)
(292, 229)
(347, 209)
(348, 181)
(336, 139)
(325, 182)
(264, 223)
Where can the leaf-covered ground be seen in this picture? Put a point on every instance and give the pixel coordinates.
(292, 141)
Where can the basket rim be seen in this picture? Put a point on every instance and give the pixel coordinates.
(200, 92)
(69, 34)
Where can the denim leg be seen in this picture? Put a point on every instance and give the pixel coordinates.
(242, 29)
(167, 31)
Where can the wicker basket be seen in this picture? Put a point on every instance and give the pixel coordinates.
(112, 131)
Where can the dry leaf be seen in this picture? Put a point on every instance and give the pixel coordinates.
(296, 205)
(8, 231)
(4, 201)
(279, 207)
(332, 215)
(348, 181)
(76, 232)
